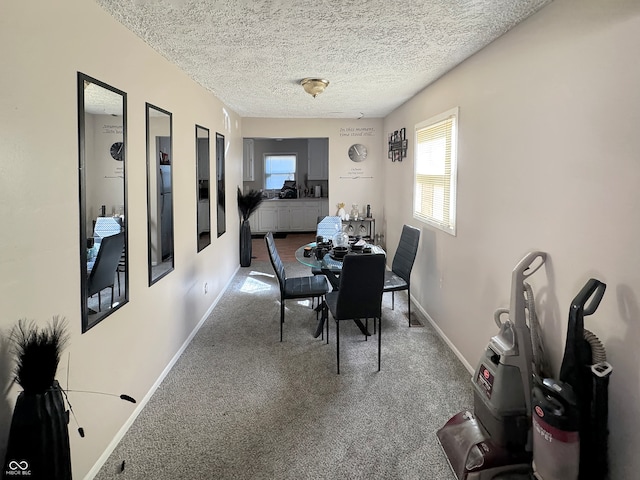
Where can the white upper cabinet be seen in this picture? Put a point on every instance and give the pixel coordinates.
(318, 159)
(248, 163)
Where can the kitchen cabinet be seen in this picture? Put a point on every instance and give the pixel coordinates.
(267, 216)
(248, 174)
(318, 157)
(295, 215)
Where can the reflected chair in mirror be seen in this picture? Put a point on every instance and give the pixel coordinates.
(122, 268)
(359, 295)
(313, 286)
(103, 272)
(399, 278)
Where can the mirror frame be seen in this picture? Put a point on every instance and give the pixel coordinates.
(203, 133)
(220, 185)
(151, 162)
(82, 163)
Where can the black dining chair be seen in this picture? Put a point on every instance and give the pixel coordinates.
(312, 286)
(103, 272)
(399, 278)
(359, 295)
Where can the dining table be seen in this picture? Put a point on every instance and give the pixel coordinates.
(330, 264)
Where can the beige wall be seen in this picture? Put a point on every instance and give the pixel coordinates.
(342, 133)
(548, 160)
(44, 45)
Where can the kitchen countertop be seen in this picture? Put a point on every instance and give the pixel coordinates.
(294, 199)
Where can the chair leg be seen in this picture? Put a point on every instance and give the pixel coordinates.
(379, 339)
(99, 302)
(337, 344)
(366, 326)
(326, 320)
(281, 316)
(409, 304)
(393, 300)
(112, 296)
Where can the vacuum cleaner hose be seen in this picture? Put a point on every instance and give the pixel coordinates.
(540, 362)
(598, 353)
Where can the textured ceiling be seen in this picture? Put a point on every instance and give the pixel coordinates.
(376, 54)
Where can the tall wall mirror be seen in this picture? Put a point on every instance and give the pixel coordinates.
(159, 195)
(221, 216)
(102, 133)
(203, 176)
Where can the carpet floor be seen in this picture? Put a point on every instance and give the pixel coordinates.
(239, 404)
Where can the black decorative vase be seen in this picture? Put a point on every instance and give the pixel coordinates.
(39, 437)
(245, 244)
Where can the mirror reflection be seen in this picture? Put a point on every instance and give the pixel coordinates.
(159, 195)
(222, 219)
(102, 147)
(202, 169)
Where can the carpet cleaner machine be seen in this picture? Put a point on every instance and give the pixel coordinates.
(494, 441)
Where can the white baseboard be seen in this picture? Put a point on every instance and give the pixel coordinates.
(123, 430)
(453, 348)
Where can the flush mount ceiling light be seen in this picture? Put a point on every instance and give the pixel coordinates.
(314, 86)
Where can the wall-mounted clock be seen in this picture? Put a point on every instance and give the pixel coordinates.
(357, 152)
(117, 151)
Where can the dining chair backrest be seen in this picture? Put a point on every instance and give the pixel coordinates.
(276, 261)
(361, 284)
(105, 227)
(103, 273)
(406, 253)
(328, 227)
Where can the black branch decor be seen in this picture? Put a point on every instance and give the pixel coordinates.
(38, 444)
(39, 435)
(37, 353)
(247, 204)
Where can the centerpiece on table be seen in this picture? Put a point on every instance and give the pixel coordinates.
(247, 204)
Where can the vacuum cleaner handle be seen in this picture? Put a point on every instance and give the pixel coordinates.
(526, 267)
(593, 289)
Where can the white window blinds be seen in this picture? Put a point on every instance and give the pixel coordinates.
(277, 169)
(435, 171)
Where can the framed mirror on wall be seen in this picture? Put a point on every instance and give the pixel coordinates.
(203, 178)
(159, 192)
(221, 207)
(102, 141)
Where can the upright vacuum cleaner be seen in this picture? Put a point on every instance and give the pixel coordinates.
(570, 414)
(494, 442)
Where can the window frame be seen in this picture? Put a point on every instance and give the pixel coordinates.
(279, 154)
(447, 225)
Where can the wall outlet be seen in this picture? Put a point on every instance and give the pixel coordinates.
(205, 288)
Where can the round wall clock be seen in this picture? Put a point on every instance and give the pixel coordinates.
(357, 152)
(117, 151)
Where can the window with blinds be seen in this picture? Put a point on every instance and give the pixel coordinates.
(434, 190)
(277, 169)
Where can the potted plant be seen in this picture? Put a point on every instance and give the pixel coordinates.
(247, 204)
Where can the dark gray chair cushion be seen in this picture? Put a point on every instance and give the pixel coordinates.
(314, 286)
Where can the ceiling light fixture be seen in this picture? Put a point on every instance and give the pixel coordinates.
(314, 86)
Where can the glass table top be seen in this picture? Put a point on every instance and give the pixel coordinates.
(327, 262)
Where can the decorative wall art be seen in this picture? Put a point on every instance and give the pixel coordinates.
(398, 145)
